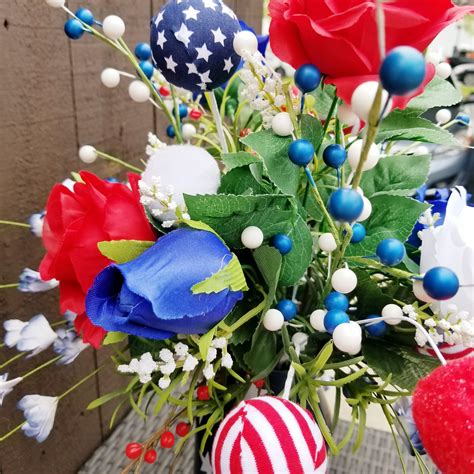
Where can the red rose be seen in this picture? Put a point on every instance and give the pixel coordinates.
(75, 222)
(340, 36)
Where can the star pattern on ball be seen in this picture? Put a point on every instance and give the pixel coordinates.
(192, 43)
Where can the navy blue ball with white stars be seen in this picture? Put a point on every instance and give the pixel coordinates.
(192, 43)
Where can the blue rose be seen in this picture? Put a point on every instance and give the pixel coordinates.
(155, 295)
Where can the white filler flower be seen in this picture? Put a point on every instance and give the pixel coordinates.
(31, 282)
(68, 345)
(7, 386)
(39, 413)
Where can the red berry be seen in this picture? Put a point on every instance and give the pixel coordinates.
(167, 439)
(203, 393)
(133, 450)
(245, 132)
(283, 108)
(164, 91)
(259, 383)
(150, 456)
(182, 428)
(195, 114)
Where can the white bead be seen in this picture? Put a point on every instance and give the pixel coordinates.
(87, 154)
(245, 42)
(299, 339)
(273, 320)
(188, 131)
(363, 99)
(355, 151)
(113, 27)
(317, 320)
(421, 150)
(347, 116)
(433, 58)
(252, 237)
(347, 338)
(444, 70)
(443, 116)
(420, 292)
(393, 311)
(282, 124)
(139, 91)
(344, 280)
(367, 211)
(56, 3)
(110, 77)
(327, 243)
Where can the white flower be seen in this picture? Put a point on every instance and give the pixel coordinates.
(209, 372)
(143, 367)
(181, 350)
(190, 363)
(431, 323)
(6, 387)
(166, 355)
(211, 354)
(407, 309)
(31, 282)
(227, 361)
(420, 338)
(164, 382)
(13, 329)
(68, 345)
(451, 245)
(168, 368)
(39, 412)
(36, 222)
(219, 343)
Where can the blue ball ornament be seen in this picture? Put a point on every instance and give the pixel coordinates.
(345, 205)
(85, 15)
(282, 243)
(288, 309)
(358, 233)
(73, 29)
(403, 70)
(307, 78)
(463, 118)
(147, 68)
(377, 329)
(143, 51)
(170, 131)
(183, 111)
(441, 283)
(192, 42)
(334, 318)
(335, 156)
(336, 300)
(301, 152)
(390, 252)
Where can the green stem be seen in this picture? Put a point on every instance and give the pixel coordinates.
(13, 359)
(391, 271)
(324, 210)
(177, 115)
(78, 384)
(13, 431)
(328, 121)
(245, 318)
(107, 157)
(9, 285)
(41, 367)
(17, 224)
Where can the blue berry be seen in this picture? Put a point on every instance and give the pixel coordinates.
(301, 152)
(335, 156)
(170, 131)
(147, 69)
(143, 51)
(464, 118)
(282, 243)
(358, 233)
(345, 205)
(86, 16)
(391, 252)
(377, 329)
(183, 111)
(336, 300)
(334, 318)
(288, 309)
(403, 70)
(73, 29)
(307, 78)
(441, 283)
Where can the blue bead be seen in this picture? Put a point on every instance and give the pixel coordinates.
(288, 309)
(143, 51)
(334, 318)
(73, 29)
(464, 118)
(183, 110)
(307, 78)
(86, 16)
(301, 152)
(336, 300)
(335, 156)
(147, 68)
(358, 233)
(377, 329)
(345, 205)
(170, 131)
(441, 283)
(282, 243)
(403, 70)
(390, 252)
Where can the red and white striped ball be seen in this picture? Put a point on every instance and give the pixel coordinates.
(267, 435)
(450, 352)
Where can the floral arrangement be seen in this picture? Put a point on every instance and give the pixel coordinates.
(281, 231)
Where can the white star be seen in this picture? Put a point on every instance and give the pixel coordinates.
(161, 39)
(158, 19)
(228, 65)
(219, 37)
(192, 69)
(191, 13)
(228, 11)
(203, 53)
(209, 4)
(170, 64)
(203, 86)
(184, 35)
(205, 77)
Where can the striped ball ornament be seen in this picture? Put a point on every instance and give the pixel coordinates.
(450, 352)
(268, 435)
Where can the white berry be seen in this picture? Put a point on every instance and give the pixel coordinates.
(273, 320)
(363, 99)
(367, 211)
(355, 151)
(347, 338)
(443, 116)
(347, 116)
(252, 237)
(394, 312)
(327, 243)
(317, 320)
(188, 131)
(114, 27)
(139, 91)
(88, 154)
(444, 70)
(56, 3)
(344, 280)
(282, 124)
(245, 42)
(110, 77)
(420, 292)
(433, 58)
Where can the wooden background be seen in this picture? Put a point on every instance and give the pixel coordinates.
(51, 102)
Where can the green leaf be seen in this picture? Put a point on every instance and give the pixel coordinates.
(230, 277)
(405, 364)
(274, 152)
(114, 338)
(370, 297)
(392, 216)
(245, 332)
(241, 181)
(400, 175)
(269, 260)
(262, 352)
(324, 97)
(205, 342)
(230, 215)
(311, 129)
(236, 160)
(123, 251)
(105, 399)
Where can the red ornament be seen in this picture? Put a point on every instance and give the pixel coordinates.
(133, 450)
(443, 409)
(245, 132)
(195, 114)
(167, 440)
(203, 393)
(259, 383)
(150, 456)
(182, 429)
(164, 91)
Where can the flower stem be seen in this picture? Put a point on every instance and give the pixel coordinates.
(13, 359)
(78, 384)
(9, 285)
(107, 157)
(41, 367)
(245, 318)
(11, 432)
(17, 224)
(391, 271)
(211, 99)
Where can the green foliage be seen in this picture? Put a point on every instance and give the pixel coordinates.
(262, 352)
(312, 130)
(324, 97)
(123, 251)
(269, 261)
(370, 297)
(114, 338)
(237, 160)
(241, 181)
